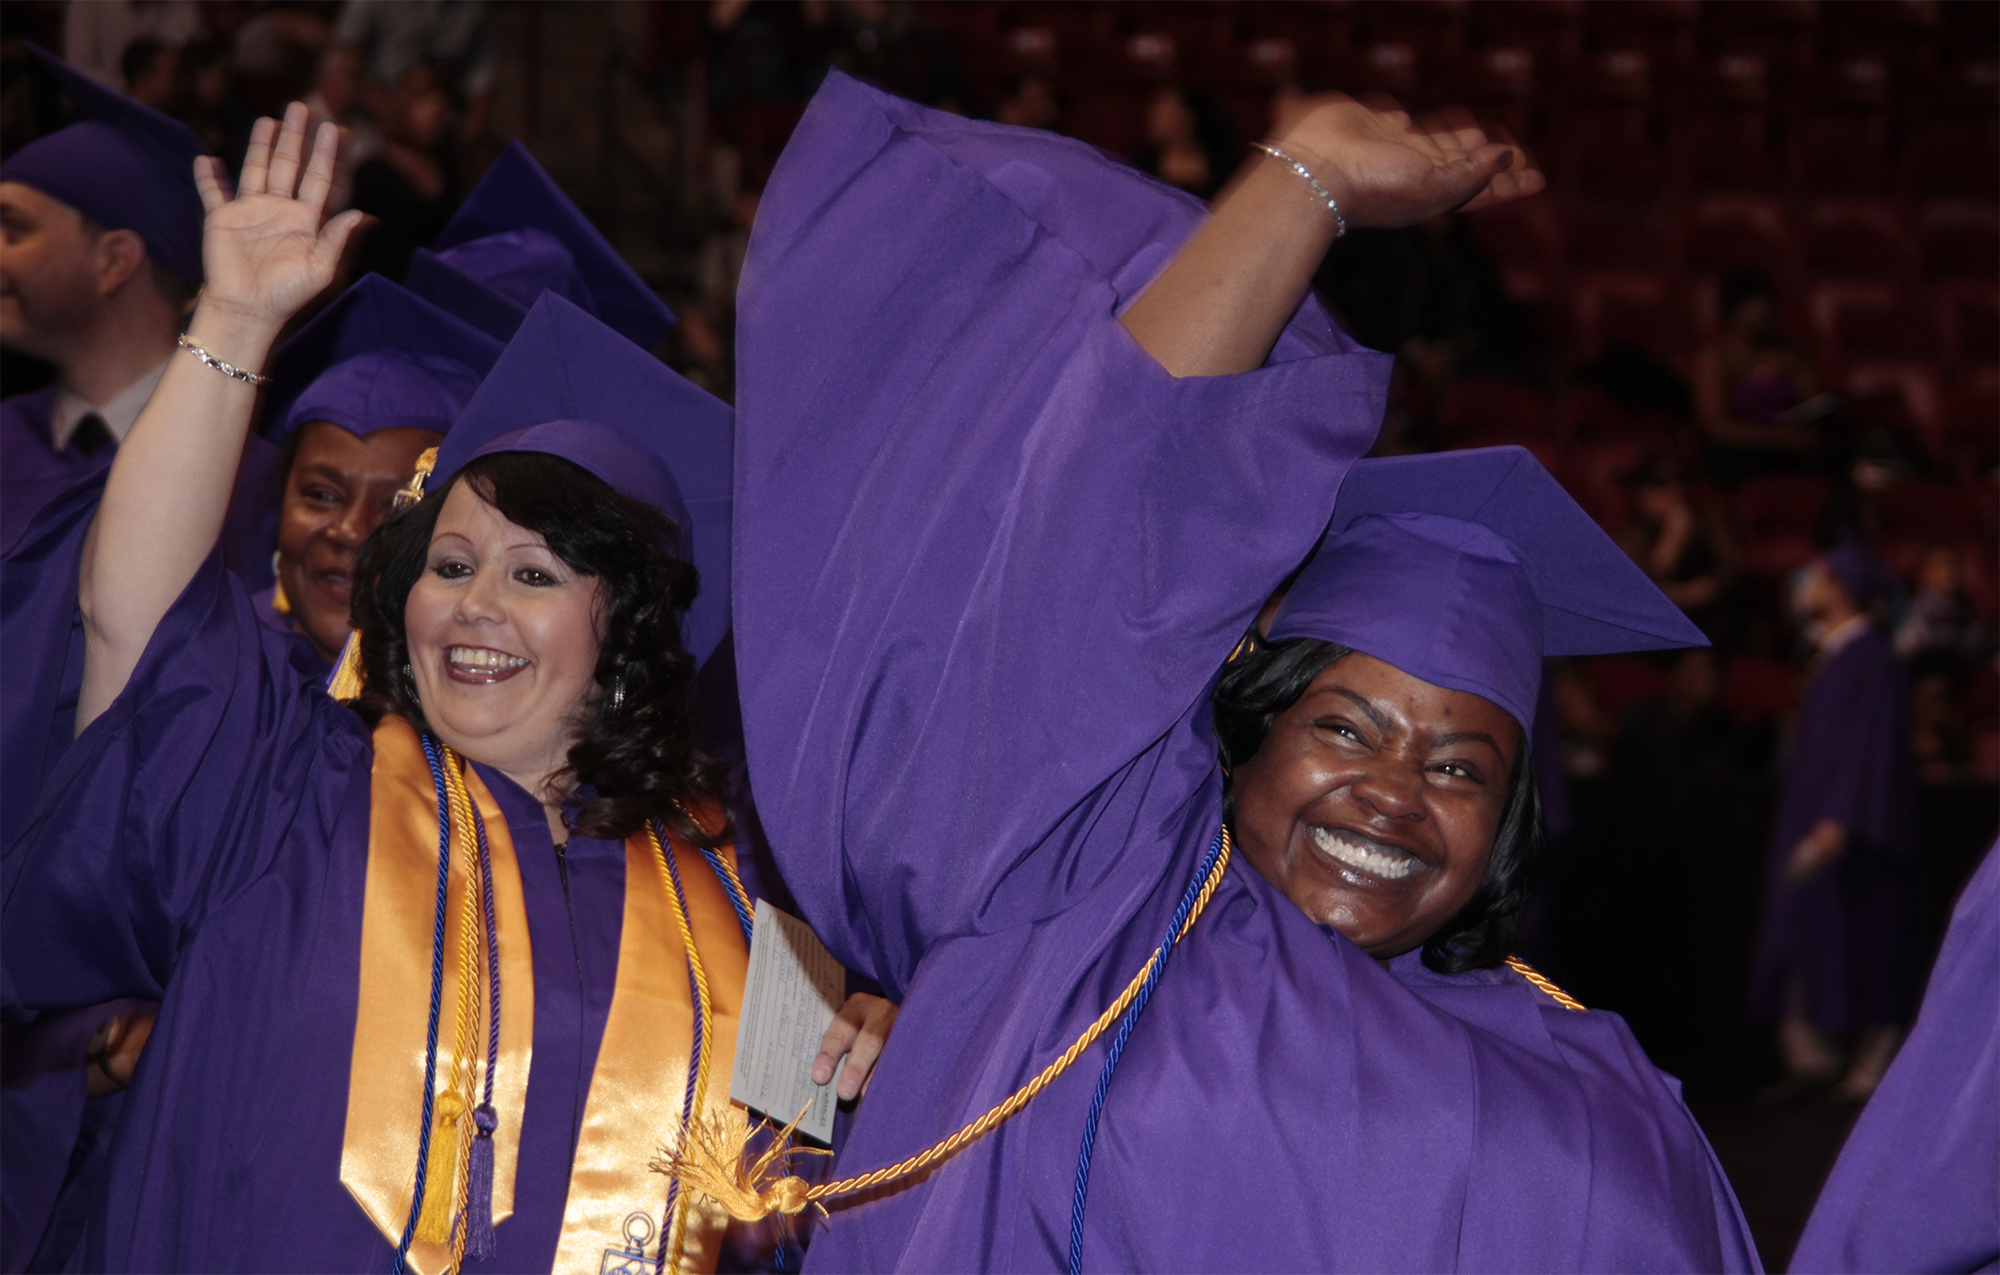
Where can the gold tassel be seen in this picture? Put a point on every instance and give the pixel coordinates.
(345, 684)
(434, 1224)
(711, 1161)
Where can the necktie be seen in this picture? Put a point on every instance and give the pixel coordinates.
(91, 434)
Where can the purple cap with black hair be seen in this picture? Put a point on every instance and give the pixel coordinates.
(1864, 576)
(380, 357)
(1467, 569)
(569, 386)
(517, 235)
(123, 165)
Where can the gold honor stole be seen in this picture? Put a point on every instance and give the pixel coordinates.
(612, 1221)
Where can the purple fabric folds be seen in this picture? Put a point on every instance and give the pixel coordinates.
(990, 558)
(1917, 1187)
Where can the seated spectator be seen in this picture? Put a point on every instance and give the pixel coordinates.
(204, 98)
(1754, 391)
(1685, 548)
(1940, 617)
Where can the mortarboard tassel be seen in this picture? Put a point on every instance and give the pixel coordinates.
(479, 1243)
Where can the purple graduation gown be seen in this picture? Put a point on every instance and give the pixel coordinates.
(33, 474)
(1917, 1187)
(1845, 933)
(204, 843)
(990, 557)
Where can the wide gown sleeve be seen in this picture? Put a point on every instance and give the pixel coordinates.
(173, 803)
(988, 551)
(1917, 1187)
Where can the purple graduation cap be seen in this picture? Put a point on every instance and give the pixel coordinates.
(569, 386)
(380, 357)
(123, 165)
(516, 235)
(1465, 569)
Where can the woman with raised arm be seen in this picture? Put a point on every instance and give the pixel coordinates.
(441, 974)
(1025, 443)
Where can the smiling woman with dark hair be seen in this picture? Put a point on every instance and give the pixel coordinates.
(1271, 707)
(1018, 463)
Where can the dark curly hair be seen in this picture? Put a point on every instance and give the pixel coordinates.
(1268, 678)
(640, 755)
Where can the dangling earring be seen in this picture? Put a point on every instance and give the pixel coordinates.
(617, 693)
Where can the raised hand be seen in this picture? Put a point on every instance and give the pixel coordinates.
(1386, 170)
(265, 251)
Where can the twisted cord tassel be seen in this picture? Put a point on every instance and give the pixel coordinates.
(698, 975)
(706, 1163)
(442, 1220)
(1542, 984)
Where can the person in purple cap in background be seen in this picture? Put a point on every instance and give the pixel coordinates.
(1917, 1187)
(102, 228)
(517, 235)
(1833, 955)
(1025, 442)
(442, 972)
(385, 374)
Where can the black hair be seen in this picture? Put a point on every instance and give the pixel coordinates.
(639, 754)
(1267, 679)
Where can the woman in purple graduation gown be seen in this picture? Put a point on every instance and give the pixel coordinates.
(441, 989)
(1024, 444)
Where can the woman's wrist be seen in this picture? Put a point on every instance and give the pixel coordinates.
(243, 341)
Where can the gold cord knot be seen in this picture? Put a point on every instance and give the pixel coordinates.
(712, 1160)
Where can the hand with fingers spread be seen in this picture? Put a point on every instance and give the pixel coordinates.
(1386, 170)
(265, 251)
(859, 1030)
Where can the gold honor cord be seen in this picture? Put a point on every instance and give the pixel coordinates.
(1543, 985)
(708, 1163)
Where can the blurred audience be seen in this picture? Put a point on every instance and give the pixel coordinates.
(1755, 393)
(97, 33)
(1686, 548)
(409, 186)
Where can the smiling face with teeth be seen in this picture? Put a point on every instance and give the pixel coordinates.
(503, 641)
(1374, 801)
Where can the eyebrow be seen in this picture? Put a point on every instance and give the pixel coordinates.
(1381, 722)
(1367, 707)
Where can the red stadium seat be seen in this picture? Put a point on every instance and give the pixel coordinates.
(1723, 232)
(1624, 680)
(1871, 322)
(1969, 318)
(1433, 29)
(1552, 29)
(1524, 239)
(1960, 241)
(1757, 688)
(1496, 410)
(1917, 509)
(1954, 158)
(1602, 241)
(1776, 516)
(1842, 239)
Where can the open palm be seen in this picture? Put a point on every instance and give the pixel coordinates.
(265, 251)
(1387, 171)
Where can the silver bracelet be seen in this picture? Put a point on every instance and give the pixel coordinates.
(226, 369)
(1339, 222)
